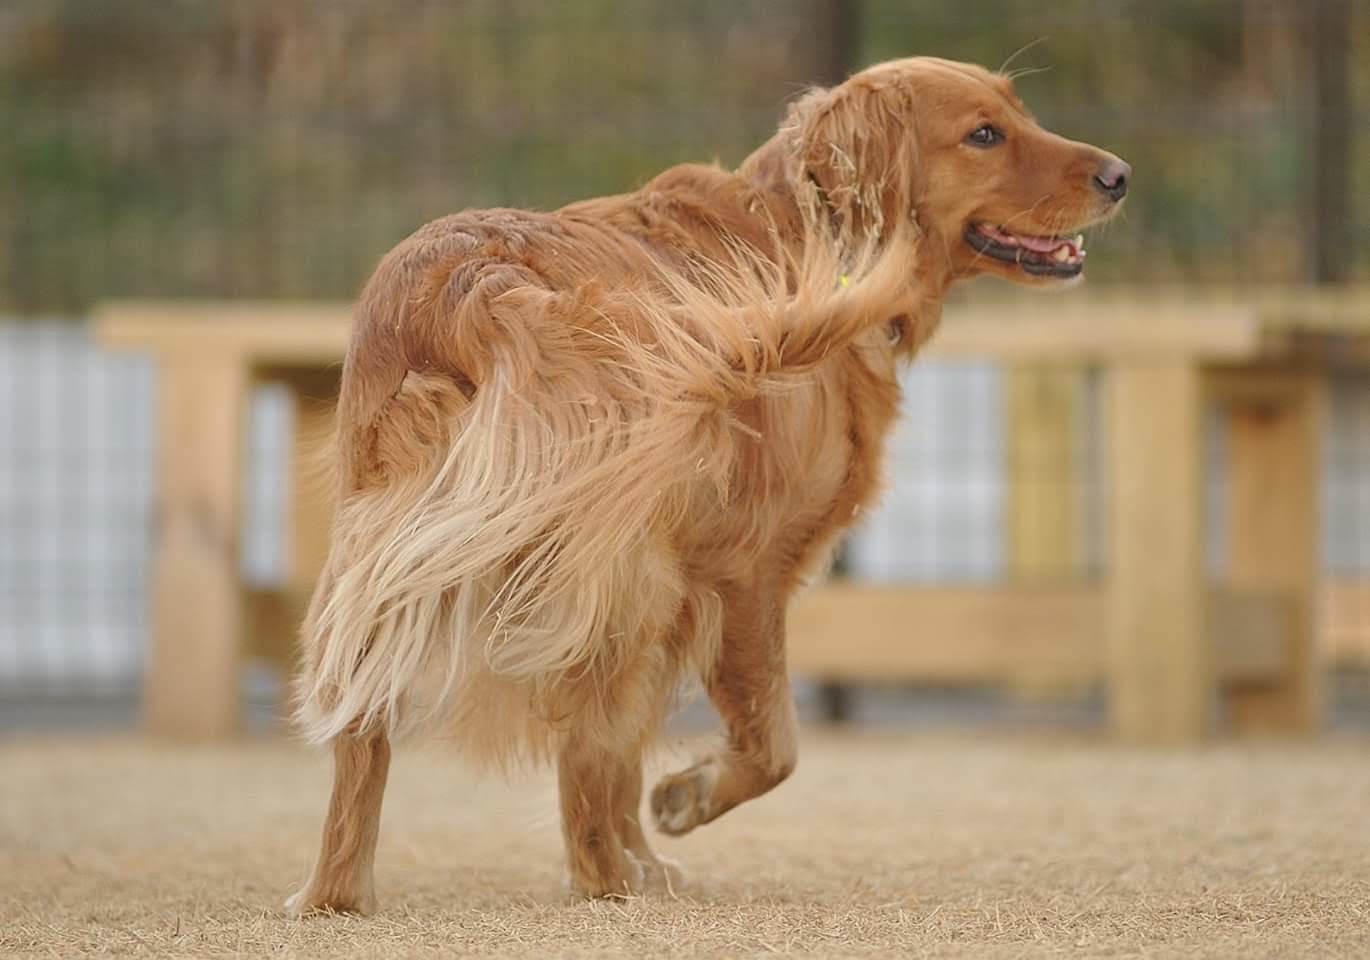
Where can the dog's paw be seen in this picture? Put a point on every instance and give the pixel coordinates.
(661, 874)
(308, 903)
(680, 802)
(627, 880)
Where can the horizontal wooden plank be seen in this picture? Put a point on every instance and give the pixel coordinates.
(946, 634)
(271, 620)
(1250, 633)
(1002, 633)
(1345, 621)
(1312, 309)
(1212, 325)
(1085, 329)
(957, 635)
(287, 332)
(265, 332)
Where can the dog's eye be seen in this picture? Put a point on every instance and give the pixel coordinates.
(985, 135)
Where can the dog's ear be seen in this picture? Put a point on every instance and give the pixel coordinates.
(854, 146)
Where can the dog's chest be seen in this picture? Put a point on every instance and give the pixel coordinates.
(807, 460)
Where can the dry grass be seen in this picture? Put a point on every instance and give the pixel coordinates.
(905, 846)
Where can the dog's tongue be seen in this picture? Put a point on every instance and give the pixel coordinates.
(1043, 244)
(1046, 245)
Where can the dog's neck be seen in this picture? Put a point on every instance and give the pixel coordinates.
(768, 172)
(766, 169)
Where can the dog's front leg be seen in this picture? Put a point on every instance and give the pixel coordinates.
(594, 795)
(750, 688)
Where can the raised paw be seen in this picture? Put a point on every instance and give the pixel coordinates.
(680, 802)
(661, 874)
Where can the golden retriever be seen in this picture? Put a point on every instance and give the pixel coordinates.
(586, 455)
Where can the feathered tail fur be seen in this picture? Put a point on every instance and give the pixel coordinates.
(527, 558)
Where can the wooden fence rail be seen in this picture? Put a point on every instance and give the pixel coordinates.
(1170, 647)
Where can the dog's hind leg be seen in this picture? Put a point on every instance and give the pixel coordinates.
(342, 880)
(750, 688)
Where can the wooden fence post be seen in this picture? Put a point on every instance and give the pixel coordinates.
(193, 684)
(277, 613)
(1273, 423)
(1159, 666)
(1042, 521)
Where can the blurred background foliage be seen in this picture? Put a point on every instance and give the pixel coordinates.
(278, 147)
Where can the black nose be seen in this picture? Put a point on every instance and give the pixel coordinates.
(1112, 178)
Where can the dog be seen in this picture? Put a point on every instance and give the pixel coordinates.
(584, 456)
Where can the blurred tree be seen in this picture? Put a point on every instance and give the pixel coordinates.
(837, 32)
(278, 147)
(1328, 29)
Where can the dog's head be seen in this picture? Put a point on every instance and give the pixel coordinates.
(951, 146)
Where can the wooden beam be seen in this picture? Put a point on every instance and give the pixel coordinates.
(874, 634)
(313, 401)
(271, 618)
(262, 333)
(1344, 632)
(274, 616)
(1343, 308)
(1273, 422)
(1042, 514)
(1088, 330)
(1116, 323)
(1160, 664)
(1005, 633)
(192, 686)
(1248, 631)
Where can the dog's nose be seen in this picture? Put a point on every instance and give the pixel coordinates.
(1112, 178)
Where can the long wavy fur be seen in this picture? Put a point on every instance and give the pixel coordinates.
(507, 551)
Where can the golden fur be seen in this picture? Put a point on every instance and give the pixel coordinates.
(586, 455)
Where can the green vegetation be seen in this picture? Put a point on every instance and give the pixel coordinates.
(255, 148)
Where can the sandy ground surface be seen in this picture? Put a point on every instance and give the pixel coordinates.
(881, 845)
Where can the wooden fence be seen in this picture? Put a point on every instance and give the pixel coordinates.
(1174, 647)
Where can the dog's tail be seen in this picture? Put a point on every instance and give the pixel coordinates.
(522, 538)
(726, 331)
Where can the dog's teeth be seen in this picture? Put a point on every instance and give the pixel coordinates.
(1079, 241)
(1062, 254)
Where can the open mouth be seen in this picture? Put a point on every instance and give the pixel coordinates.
(1040, 256)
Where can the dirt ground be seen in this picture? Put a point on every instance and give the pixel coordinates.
(881, 845)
